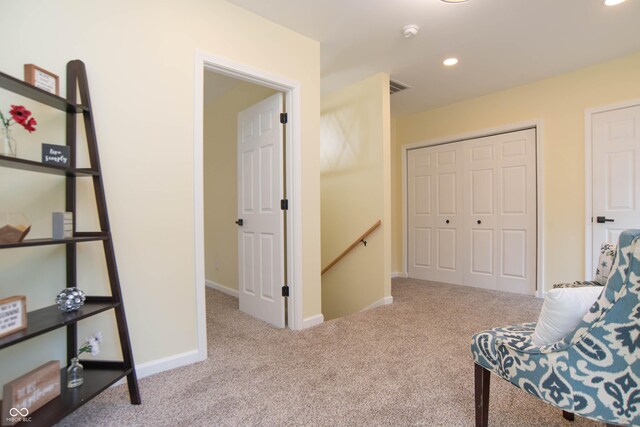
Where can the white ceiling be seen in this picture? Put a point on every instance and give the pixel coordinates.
(500, 43)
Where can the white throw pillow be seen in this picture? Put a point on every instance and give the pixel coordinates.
(562, 311)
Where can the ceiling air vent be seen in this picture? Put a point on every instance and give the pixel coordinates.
(396, 87)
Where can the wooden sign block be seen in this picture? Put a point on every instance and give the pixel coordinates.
(41, 78)
(13, 315)
(26, 394)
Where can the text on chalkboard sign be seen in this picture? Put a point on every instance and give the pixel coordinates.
(56, 154)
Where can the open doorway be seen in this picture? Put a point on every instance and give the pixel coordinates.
(291, 188)
(243, 187)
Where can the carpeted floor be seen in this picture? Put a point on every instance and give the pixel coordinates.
(403, 364)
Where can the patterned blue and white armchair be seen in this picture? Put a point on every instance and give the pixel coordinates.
(594, 371)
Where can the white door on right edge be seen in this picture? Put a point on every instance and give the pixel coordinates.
(616, 175)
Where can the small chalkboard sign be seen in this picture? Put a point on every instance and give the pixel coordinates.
(59, 155)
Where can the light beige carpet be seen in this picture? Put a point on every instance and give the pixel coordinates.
(408, 363)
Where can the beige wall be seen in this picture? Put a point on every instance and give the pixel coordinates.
(221, 183)
(355, 191)
(140, 61)
(396, 200)
(559, 103)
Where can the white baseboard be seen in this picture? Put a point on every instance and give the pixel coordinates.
(397, 274)
(165, 364)
(380, 302)
(221, 288)
(312, 321)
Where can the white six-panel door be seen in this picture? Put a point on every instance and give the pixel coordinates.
(500, 212)
(260, 248)
(495, 212)
(616, 175)
(435, 235)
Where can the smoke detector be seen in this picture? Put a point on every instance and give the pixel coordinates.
(410, 31)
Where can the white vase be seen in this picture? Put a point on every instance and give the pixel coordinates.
(7, 143)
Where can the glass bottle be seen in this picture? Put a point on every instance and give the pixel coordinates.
(7, 143)
(75, 373)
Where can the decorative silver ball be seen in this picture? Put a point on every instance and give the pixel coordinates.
(70, 299)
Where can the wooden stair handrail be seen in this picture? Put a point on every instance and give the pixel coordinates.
(351, 246)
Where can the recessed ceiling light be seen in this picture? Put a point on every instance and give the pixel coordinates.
(612, 2)
(458, 1)
(450, 62)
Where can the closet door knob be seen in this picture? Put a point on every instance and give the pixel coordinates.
(479, 222)
(447, 221)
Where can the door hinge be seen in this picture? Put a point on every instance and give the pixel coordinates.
(284, 118)
(285, 291)
(284, 204)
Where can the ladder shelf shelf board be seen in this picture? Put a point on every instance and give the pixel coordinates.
(50, 318)
(30, 165)
(99, 375)
(96, 380)
(78, 238)
(27, 90)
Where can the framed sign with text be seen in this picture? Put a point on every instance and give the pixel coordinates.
(41, 78)
(13, 315)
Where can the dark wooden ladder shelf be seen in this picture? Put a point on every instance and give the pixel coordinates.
(99, 375)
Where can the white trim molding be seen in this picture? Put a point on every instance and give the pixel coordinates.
(398, 274)
(312, 321)
(293, 171)
(383, 301)
(153, 367)
(167, 363)
(533, 124)
(588, 179)
(222, 288)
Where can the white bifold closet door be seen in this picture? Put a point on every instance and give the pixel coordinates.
(435, 206)
(472, 212)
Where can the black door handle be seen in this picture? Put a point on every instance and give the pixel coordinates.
(240, 222)
(479, 222)
(602, 220)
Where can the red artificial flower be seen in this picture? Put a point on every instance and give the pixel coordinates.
(20, 114)
(30, 124)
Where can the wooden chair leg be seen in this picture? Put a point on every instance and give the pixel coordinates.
(482, 380)
(568, 416)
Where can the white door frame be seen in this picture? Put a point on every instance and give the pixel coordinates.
(537, 124)
(293, 171)
(588, 179)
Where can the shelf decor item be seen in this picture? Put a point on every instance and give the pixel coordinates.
(62, 225)
(59, 155)
(14, 227)
(30, 392)
(70, 299)
(13, 315)
(41, 78)
(21, 116)
(75, 371)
